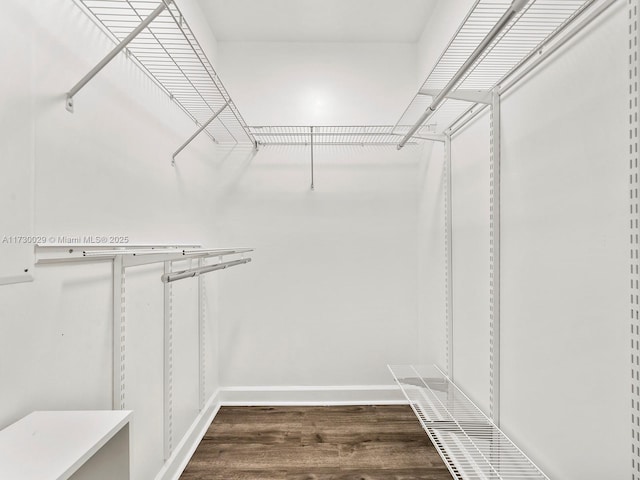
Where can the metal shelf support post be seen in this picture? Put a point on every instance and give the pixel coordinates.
(112, 54)
(202, 359)
(448, 212)
(168, 366)
(494, 257)
(119, 325)
(311, 135)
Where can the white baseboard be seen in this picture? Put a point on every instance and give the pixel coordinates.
(273, 396)
(183, 452)
(324, 395)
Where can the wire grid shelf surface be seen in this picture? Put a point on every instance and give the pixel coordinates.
(334, 135)
(530, 28)
(169, 52)
(469, 443)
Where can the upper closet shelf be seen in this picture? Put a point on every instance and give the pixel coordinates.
(157, 37)
(496, 38)
(338, 135)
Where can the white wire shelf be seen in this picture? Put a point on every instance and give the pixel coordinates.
(532, 27)
(132, 254)
(170, 54)
(336, 135)
(472, 447)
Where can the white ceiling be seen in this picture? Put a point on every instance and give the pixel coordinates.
(318, 20)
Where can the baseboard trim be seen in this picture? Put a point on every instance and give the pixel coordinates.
(312, 395)
(183, 452)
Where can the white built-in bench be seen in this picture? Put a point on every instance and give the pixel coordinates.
(61, 445)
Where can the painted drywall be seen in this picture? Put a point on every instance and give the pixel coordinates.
(431, 257)
(331, 298)
(565, 264)
(104, 170)
(470, 151)
(319, 84)
(16, 151)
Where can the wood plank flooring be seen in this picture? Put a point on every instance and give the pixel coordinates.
(316, 443)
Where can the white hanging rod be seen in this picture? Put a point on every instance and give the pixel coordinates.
(194, 272)
(204, 125)
(514, 8)
(112, 54)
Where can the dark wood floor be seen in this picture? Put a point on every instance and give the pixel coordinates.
(316, 443)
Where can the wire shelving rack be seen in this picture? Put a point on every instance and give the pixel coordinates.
(470, 444)
(168, 51)
(519, 42)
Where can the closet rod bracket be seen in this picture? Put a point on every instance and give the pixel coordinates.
(112, 54)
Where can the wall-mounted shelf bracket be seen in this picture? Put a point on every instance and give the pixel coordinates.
(311, 136)
(112, 54)
(475, 96)
(202, 127)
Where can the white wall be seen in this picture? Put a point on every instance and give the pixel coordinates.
(470, 246)
(319, 84)
(16, 152)
(332, 296)
(431, 257)
(103, 170)
(565, 258)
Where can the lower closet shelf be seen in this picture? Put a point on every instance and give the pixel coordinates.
(468, 441)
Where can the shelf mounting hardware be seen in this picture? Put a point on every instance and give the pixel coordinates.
(112, 54)
(204, 125)
(511, 12)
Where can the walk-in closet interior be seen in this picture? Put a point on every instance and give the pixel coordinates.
(333, 239)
